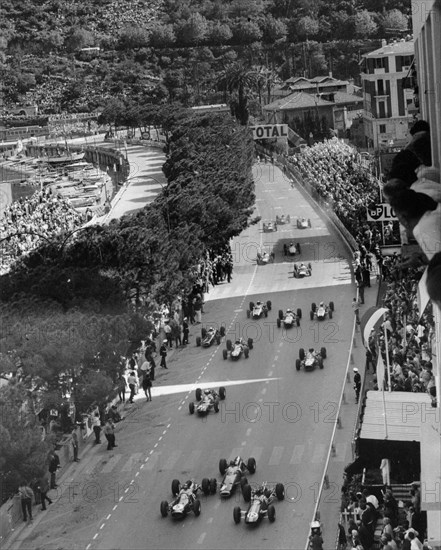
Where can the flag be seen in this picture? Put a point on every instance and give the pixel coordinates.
(369, 321)
(380, 372)
(422, 294)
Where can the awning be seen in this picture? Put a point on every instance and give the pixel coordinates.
(396, 418)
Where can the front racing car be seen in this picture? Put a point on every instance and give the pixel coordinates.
(234, 474)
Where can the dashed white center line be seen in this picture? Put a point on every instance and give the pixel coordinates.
(263, 391)
(102, 526)
(137, 474)
(270, 373)
(247, 433)
(276, 357)
(109, 516)
(201, 538)
(115, 507)
(95, 536)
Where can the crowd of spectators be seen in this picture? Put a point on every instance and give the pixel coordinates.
(336, 172)
(28, 223)
(119, 14)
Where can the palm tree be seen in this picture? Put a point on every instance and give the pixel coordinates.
(237, 80)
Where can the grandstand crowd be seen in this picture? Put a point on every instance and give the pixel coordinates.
(28, 223)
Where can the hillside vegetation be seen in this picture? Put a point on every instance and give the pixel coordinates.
(175, 50)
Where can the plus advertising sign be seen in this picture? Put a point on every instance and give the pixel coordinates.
(270, 131)
(380, 213)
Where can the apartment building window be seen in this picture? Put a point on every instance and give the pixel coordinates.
(380, 63)
(382, 128)
(380, 86)
(381, 109)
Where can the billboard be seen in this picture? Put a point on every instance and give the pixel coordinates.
(381, 212)
(270, 131)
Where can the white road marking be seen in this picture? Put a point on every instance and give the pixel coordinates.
(276, 357)
(134, 459)
(270, 373)
(201, 538)
(276, 456)
(102, 526)
(95, 536)
(297, 454)
(210, 520)
(111, 464)
(319, 453)
(109, 516)
(263, 391)
(248, 432)
(115, 507)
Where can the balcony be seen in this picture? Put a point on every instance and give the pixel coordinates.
(381, 70)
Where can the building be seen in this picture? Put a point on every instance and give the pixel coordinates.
(426, 20)
(388, 103)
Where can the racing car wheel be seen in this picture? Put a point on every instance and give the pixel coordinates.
(323, 352)
(223, 465)
(298, 364)
(175, 487)
(237, 514)
(164, 508)
(301, 354)
(271, 513)
(246, 492)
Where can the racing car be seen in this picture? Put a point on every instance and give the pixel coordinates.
(302, 270)
(289, 319)
(303, 223)
(209, 336)
(206, 401)
(234, 474)
(185, 500)
(258, 309)
(282, 220)
(265, 258)
(293, 249)
(269, 227)
(322, 311)
(239, 347)
(311, 359)
(260, 503)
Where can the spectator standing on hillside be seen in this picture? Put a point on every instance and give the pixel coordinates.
(54, 465)
(357, 384)
(122, 385)
(185, 331)
(163, 354)
(168, 333)
(147, 385)
(356, 310)
(26, 497)
(361, 286)
(96, 426)
(109, 432)
(75, 444)
(43, 488)
(132, 382)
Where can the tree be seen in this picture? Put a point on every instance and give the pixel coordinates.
(23, 452)
(393, 21)
(363, 24)
(133, 38)
(78, 38)
(161, 36)
(307, 27)
(238, 80)
(273, 29)
(246, 32)
(192, 31)
(219, 33)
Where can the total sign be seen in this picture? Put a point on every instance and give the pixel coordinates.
(269, 131)
(382, 212)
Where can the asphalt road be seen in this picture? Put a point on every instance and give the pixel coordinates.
(282, 417)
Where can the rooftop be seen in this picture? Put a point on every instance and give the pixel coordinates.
(402, 47)
(297, 100)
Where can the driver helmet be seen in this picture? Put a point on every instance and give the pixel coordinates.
(187, 484)
(302, 265)
(210, 329)
(258, 302)
(311, 350)
(321, 304)
(207, 392)
(237, 342)
(291, 243)
(288, 311)
(236, 461)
